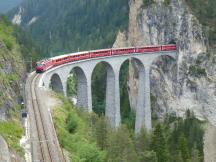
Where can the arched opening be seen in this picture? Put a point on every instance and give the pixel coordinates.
(131, 75)
(56, 84)
(99, 86)
(163, 83)
(72, 87)
(77, 87)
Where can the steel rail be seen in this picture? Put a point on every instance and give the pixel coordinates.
(45, 154)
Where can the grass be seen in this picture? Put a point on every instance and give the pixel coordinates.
(12, 132)
(6, 31)
(80, 144)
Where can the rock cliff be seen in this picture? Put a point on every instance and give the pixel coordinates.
(189, 82)
(12, 71)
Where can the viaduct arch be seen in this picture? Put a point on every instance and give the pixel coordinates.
(84, 70)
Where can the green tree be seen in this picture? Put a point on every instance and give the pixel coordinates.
(159, 144)
(71, 122)
(195, 155)
(183, 148)
(101, 132)
(72, 85)
(90, 153)
(148, 156)
(99, 89)
(64, 26)
(120, 146)
(178, 157)
(147, 3)
(142, 141)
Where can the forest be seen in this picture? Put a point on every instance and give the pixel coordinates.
(89, 137)
(68, 26)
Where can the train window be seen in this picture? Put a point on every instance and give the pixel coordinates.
(39, 64)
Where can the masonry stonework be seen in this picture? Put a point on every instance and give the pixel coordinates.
(84, 70)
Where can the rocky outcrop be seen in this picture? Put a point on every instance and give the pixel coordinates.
(188, 83)
(11, 73)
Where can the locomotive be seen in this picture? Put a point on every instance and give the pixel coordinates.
(46, 64)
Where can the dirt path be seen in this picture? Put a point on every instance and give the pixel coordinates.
(210, 144)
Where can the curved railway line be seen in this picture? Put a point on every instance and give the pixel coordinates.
(45, 146)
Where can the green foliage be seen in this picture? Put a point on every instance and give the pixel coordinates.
(120, 146)
(159, 144)
(186, 134)
(95, 140)
(195, 155)
(147, 3)
(142, 145)
(18, 41)
(99, 88)
(12, 70)
(129, 121)
(128, 116)
(178, 157)
(206, 13)
(167, 2)
(6, 33)
(29, 50)
(197, 71)
(101, 132)
(66, 26)
(148, 156)
(90, 153)
(12, 132)
(80, 144)
(72, 85)
(71, 122)
(183, 148)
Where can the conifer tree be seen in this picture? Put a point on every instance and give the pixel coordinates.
(148, 156)
(101, 132)
(142, 141)
(120, 146)
(183, 148)
(195, 155)
(178, 157)
(159, 144)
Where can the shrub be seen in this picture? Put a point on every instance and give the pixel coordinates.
(197, 71)
(71, 123)
(147, 2)
(167, 2)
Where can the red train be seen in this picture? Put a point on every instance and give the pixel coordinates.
(44, 65)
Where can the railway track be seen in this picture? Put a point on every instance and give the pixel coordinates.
(46, 147)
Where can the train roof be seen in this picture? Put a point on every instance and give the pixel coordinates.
(43, 61)
(83, 52)
(122, 48)
(69, 54)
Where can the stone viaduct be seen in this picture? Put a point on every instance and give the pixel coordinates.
(57, 78)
